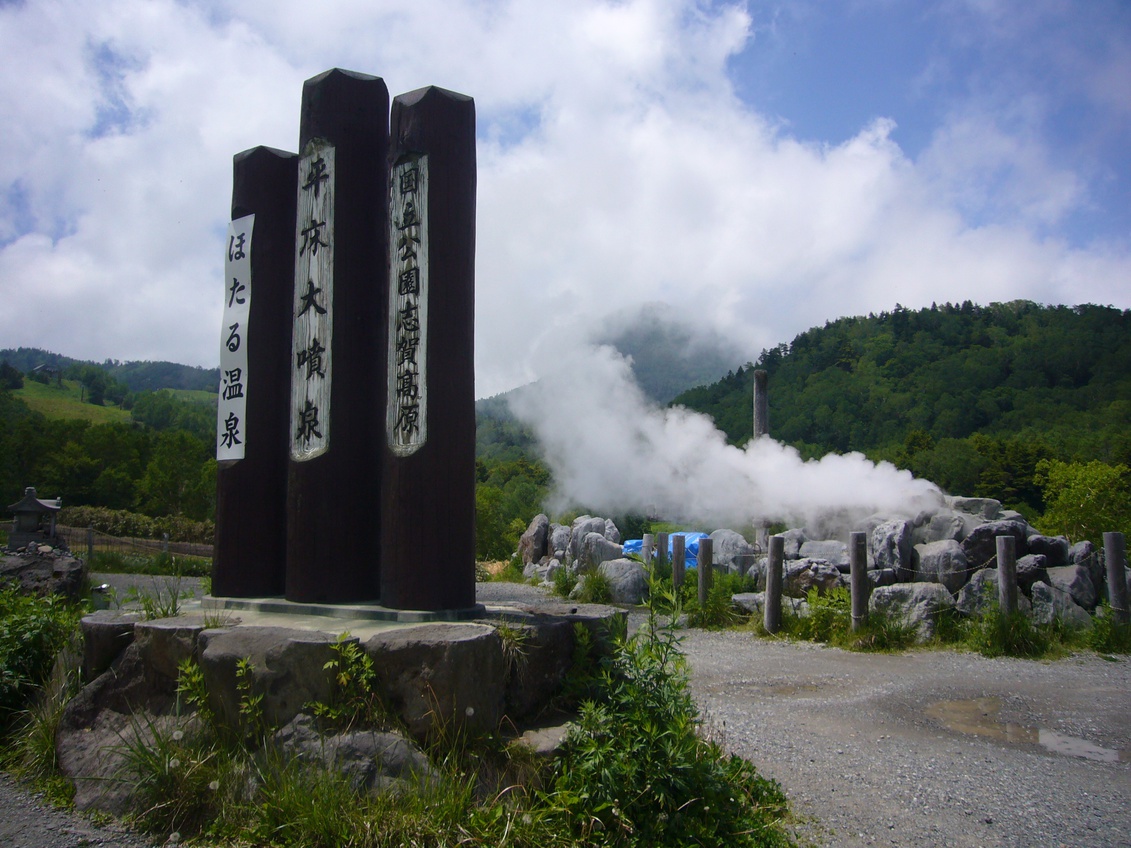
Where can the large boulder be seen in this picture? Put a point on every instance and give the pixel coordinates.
(891, 547)
(945, 525)
(942, 562)
(833, 551)
(793, 540)
(801, 575)
(370, 760)
(986, 509)
(441, 676)
(532, 543)
(126, 703)
(980, 546)
(1076, 580)
(732, 552)
(612, 533)
(582, 526)
(1053, 548)
(46, 572)
(288, 667)
(105, 634)
(1031, 568)
(980, 594)
(542, 572)
(916, 604)
(1051, 603)
(596, 549)
(537, 655)
(558, 543)
(628, 581)
(1092, 558)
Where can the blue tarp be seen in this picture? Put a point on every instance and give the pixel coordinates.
(690, 547)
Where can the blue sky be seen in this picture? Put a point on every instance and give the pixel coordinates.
(763, 166)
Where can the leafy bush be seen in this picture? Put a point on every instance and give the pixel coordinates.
(635, 770)
(719, 610)
(124, 524)
(1107, 635)
(32, 631)
(595, 588)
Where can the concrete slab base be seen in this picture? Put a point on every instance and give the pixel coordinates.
(358, 612)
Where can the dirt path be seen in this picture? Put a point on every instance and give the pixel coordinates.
(928, 748)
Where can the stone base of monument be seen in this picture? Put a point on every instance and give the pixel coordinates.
(365, 612)
(434, 677)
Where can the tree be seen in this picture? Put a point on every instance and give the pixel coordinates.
(1085, 500)
(10, 377)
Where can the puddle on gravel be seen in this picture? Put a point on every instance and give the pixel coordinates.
(979, 717)
(795, 688)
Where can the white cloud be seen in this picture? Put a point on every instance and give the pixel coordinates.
(616, 166)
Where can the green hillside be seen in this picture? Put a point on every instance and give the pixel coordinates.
(970, 397)
(67, 401)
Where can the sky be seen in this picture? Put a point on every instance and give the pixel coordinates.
(760, 167)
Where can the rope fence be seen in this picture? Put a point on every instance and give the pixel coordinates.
(89, 541)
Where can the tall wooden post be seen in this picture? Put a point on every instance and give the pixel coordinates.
(1115, 555)
(706, 567)
(647, 547)
(679, 560)
(662, 550)
(1007, 574)
(251, 492)
(428, 432)
(761, 405)
(337, 362)
(858, 574)
(771, 612)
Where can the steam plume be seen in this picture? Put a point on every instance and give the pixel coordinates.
(613, 451)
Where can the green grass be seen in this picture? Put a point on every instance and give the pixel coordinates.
(63, 402)
(194, 396)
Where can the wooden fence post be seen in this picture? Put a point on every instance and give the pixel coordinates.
(706, 568)
(1007, 574)
(771, 610)
(1115, 553)
(661, 549)
(858, 564)
(646, 549)
(679, 559)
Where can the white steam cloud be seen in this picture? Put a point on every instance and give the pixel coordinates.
(612, 451)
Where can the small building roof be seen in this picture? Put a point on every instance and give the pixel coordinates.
(30, 503)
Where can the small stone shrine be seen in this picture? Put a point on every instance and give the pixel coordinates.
(34, 521)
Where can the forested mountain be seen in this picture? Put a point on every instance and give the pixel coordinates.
(669, 351)
(136, 376)
(970, 397)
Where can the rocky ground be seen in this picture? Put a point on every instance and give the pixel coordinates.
(927, 748)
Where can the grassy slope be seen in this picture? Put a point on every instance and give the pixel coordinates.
(63, 402)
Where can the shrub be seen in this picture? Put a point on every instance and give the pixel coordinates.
(32, 631)
(635, 770)
(1107, 635)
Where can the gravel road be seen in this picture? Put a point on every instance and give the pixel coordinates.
(927, 748)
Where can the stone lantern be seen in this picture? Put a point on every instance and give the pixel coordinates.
(34, 521)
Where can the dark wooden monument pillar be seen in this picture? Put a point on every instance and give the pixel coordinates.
(251, 480)
(428, 478)
(338, 355)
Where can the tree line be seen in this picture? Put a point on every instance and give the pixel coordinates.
(998, 401)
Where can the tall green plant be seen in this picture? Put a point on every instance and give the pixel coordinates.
(636, 771)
